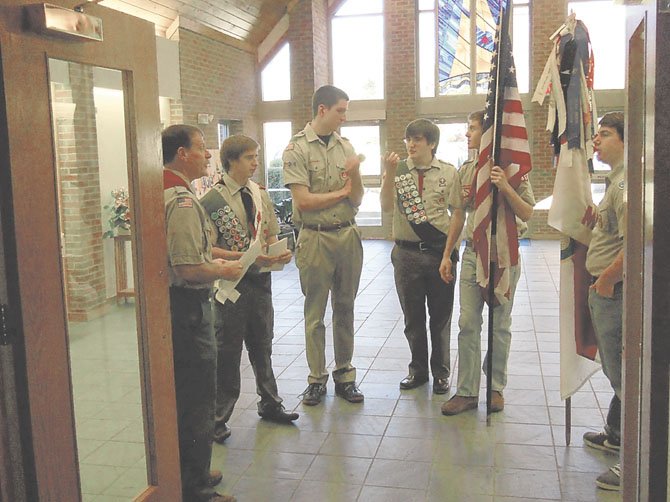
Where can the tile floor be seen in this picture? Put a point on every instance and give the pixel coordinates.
(396, 446)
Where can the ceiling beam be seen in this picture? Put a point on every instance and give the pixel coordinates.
(196, 27)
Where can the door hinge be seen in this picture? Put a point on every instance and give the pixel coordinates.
(5, 330)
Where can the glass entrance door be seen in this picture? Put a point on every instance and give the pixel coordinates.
(84, 228)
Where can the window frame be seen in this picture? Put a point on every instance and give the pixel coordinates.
(473, 51)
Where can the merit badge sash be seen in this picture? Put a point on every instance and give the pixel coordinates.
(412, 205)
(232, 233)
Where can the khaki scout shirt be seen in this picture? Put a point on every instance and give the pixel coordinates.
(309, 162)
(189, 233)
(609, 232)
(441, 191)
(467, 176)
(232, 194)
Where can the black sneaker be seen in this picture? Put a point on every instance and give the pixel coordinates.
(349, 391)
(313, 393)
(601, 441)
(279, 414)
(610, 479)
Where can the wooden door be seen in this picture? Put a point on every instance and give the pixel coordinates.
(646, 358)
(51, 142)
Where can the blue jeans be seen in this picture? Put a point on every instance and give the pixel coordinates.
(470, 329)
(606, 314)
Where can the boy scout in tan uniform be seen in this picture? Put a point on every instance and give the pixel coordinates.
(250, 319)
(192, 271)
(604, 261)
(470, 297)
(322, 171)
(421, 191)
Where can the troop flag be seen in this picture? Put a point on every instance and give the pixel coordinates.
(567, 82)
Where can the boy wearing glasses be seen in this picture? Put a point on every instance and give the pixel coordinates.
(424, 194)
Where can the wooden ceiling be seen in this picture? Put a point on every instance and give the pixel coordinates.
(249, 21)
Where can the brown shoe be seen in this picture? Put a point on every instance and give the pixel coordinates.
(214, 478)
(459, 404)
(497, 401)
(222, 498)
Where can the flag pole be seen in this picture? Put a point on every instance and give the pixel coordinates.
(568, 420)
(494, 216)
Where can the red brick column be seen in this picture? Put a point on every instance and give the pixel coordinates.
(546, 16)
(78, 169)
(400, 70)
(309, 38)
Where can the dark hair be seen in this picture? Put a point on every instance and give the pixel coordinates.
(175, 137)
(614, 120)
(327, 95)
(477, 116)
(234, 146)
(426, 129)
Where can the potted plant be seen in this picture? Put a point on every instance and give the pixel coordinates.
(119, 214)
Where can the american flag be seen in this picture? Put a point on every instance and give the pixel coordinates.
(504, 143)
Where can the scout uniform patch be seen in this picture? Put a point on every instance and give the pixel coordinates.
(184, 202)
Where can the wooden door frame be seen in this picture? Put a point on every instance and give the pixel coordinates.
(646, 362)
(129, 45)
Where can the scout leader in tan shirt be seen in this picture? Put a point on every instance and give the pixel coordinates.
(192, 271)
(322, 171)
(422, 191)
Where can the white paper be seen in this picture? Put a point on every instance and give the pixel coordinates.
(276, 249)
(226, 289)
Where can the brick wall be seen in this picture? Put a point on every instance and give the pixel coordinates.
(220, 80)
(77, 153)
(400, 70)
(309, 39)
(546, 16)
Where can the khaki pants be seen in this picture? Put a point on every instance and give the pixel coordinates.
(329, 262)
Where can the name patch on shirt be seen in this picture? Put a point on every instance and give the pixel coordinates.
(184, 202)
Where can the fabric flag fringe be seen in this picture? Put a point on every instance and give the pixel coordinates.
(567, 80)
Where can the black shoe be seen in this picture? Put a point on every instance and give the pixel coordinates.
(349, 391)
(440, 385)
(412, 381)
(601, 441)
(278, 414)
(221, 433)
(313, 393)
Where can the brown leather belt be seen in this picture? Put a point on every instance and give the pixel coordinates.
(328, 228)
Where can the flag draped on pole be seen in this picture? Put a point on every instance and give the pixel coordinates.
(504, 143)
(567, 81)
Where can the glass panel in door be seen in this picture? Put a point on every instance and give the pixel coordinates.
(97, 259)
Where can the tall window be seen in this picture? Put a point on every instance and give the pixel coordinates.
(608, 39)
(276, 77)
(456, 39)
(453, 147)
(276, 136)
(358, 49)
(365, 139)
